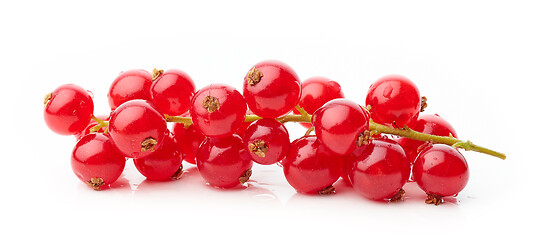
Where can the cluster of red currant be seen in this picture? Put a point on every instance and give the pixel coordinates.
(223, 132)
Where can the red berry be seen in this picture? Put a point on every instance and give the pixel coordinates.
(218, 110)
(137, 128)
(189, 140)
(164, 163)
(441, 170)
(317, 91)
(310, 167)
(393, 99)
(68, 109)
(130, 85)
(430, 124)
(379, 170)
(267, 141)
(338, 124)
(96, 161)
(271, 89)
(223, 162)
(172, 92)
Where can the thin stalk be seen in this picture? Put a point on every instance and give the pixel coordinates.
(374, 128)
(101, 124)
(454, 142)
(177, 119)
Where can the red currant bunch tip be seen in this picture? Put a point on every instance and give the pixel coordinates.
(224, 132)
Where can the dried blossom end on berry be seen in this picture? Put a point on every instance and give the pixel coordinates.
(254, 76)
(398, 196)
(424, 103)
(47, 98)
(95, 183)
(327, 190)
(364, 138)
(433, 199)
(245, 176)
(148, 144)
(211, 104)
(259, 147)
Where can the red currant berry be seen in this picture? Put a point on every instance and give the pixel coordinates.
(218, 110)
(172, 92)
(271, 89)
(164, 164)
(317, 91)
(96, 161)
(223, 162)
(267, 141)
(441, 170)
(310, 167)
(68, 109)
(137, 128)
(130, 85)
(393, 100)
(189, 140)
(430, 124)
(379, 170)
(338, 124)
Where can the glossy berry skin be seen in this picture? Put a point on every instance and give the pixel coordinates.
(267, 141)
(68, 109)
(244, 125)
(130, 85)
(190, 139)
(379, 170)
(172, 92)
(338, 124)
(137, 128)
(441, 170)
(393, 99)
(164, 163)
(310, 167)
(218, 110)
(96, 161)
(223, 162)
(317, 91)
(431, 124)
(271, 89)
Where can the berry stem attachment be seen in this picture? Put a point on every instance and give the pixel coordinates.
(454, 142)
(301, 110)
(101, 124)
(309, 131)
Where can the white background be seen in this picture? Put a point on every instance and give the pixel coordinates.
(473, 60)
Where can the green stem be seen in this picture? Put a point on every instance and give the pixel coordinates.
(308, 132)
(177, 119)
(375, 128)
(454, 142)
(101, 124)
(284, 119)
